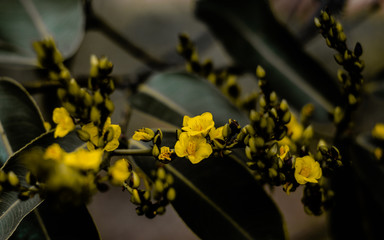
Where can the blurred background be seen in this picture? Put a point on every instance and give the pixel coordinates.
(154, 25)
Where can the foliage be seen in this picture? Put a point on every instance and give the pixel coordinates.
(226, 148)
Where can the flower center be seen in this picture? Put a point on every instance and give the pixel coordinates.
(191, 149)
(305, 171)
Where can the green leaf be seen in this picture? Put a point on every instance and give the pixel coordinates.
(170, 96)
(25, 21)
(252, 36)
(219, 198)
(359, 202)
(20, 123)
(20, 119)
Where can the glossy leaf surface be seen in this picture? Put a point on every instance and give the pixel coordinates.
(252, 36)
(218, 198)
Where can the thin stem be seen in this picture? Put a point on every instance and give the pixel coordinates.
(124, 152)
(96, 22)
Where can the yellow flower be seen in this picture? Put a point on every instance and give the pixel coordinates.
(84, 159)
(64, 122)
(94, 137)
(307, 170)
(54, 152)
(195, 148)
(295, 129)
(165, 153)
(216, 133)
(378, 131)
(199, 125)
(143, 134)
(283, 152)
(119, 172)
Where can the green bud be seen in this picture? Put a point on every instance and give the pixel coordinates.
(3, 176)
(95, 115)
(218, 143)
(252, 144)
(147, 195)
(248, 153)
(272, 151)
(338, 115)
(161, 174)
(282, 177)
(254, 116)
(61, 93)
(286, 117)
(169, 179)
(87, 99)
(240, 137)
(227, 152)
(226, 131)
(272, 172)
(328, 42)
(171, 194)
(73, 87)
(135, 180)
(101, 143)
(259, 142)
(338, 58)
(250, 129)
(155, 151)
(159, 186)
(262, 102)
(69, 107)
(263, 122)
(325, 16)
(317, 22)
(65, 74)
(111, 86)
(342, 37)
(135, 198)
(83, 135)
(160, 210)
(260, 72)
(274, 112)
(98, 98)
(347, 56)
(13, 179)
(273, 96)
(260, 164)
(109, 105)
(284, 105)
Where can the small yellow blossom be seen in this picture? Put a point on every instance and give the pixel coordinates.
(216, 133)
(143, 134)
(165, 153)
(54, 152)
(283, 152)
(287, 141)
(64, 122)
(199, 125)
(195, 148)
(94, 137)
(84, 159)
(378, 131)
(119, 172)
(307, 170)
(295, 129)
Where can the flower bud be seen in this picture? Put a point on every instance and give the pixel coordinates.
(109, 105)
(98, 98)
(73, 87)
(260, 72)
(83, 135)
(159, 186)
(13, 179)
(155, 151)
(171, 194)
(161, 174)
(135, 180)
(135, 198)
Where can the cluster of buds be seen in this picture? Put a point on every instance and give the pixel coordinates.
(225, 80)
(157, 195)
(352, 79)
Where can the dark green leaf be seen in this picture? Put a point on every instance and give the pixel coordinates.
(218, 198)
(12, 209)
(359, 199)
(252, 36)
(21, 122)
(23, 22)
(170, 96)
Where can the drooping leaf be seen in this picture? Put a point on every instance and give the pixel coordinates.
(170, 96)
(22, 22)
(218, 198)
(252, 36)
(20, 123)
(359, 201)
